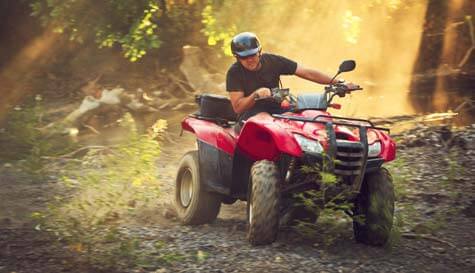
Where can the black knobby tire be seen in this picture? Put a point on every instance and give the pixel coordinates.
(197, 206)
(263, 203)
(374, 209)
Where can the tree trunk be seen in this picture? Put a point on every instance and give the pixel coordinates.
(432, 44)
(439, 82)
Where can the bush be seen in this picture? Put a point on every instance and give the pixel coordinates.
(107, 188)
(21, 140)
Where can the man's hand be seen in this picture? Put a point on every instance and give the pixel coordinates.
(351, 86)
(241, 103)
(262, 92)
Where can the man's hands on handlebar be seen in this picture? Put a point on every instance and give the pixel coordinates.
(339, 88)
(262, 92)
(351, 86)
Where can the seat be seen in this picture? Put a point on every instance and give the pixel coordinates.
(216, 106)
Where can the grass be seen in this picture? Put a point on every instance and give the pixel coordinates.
(104, 190)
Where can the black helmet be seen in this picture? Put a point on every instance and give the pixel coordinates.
(245, 44)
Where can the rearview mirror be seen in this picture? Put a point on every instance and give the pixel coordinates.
(346, 66)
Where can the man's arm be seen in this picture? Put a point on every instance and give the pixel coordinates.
(312, 75)
(242, 103)
(319, 77)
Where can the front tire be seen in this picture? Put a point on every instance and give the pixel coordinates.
(263, 203)
(193, 203)
(374, 209)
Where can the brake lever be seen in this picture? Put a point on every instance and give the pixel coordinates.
(355, 89)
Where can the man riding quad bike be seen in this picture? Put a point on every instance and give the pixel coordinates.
(262, 163)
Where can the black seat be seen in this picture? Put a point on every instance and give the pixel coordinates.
(216, 106)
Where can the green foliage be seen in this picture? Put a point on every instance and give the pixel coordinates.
(107, 188)
(399, 170)
(327, 206)
(454, 171)
(217, 33)
(21, 139)
(137, 26)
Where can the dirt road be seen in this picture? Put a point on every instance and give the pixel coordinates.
(222, 247)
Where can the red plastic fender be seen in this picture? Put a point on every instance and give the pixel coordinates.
(210, 133)
(388, 146)
(262, 138)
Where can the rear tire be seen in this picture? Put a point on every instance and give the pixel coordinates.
(193, 203)
(374, 209)
(263, 203)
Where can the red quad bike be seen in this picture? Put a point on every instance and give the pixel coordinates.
(262, 164)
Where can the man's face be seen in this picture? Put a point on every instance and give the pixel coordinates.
(250, 62)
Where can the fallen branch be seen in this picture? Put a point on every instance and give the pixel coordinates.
(94, 130)
(448, 28)
(179, 83)
(92, 147)
(426, 237)
(467, 55)
(469, 103)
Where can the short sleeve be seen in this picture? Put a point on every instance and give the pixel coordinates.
(286, 66)
(233, 80)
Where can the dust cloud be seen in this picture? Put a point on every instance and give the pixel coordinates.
(381, 36)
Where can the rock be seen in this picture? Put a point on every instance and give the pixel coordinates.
(469, 211)
(439, 249)
(445, 133)
(199, 78)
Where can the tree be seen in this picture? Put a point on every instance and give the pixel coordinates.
(137, 26)
(445, 60)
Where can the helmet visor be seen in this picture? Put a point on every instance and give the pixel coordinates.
(249, 52)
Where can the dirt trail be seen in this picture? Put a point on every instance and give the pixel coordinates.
(222, 247)
(449, 248)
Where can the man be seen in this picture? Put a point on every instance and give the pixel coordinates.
(255, 73)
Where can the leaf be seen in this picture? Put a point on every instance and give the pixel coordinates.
(201, 256)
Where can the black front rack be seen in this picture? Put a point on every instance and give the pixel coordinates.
(332, 152)
(343, 119)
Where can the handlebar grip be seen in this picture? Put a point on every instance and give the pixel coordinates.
(355, 89)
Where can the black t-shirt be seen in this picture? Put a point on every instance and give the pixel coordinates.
(272, 66)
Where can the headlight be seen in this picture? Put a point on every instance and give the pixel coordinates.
(308, 145)
(374, 149)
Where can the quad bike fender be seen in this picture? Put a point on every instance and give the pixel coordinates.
(388, 146)
(210, 133)
(215, 154)
(267, 141)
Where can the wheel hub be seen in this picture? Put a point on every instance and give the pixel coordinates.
(250, 212)
(186, 188)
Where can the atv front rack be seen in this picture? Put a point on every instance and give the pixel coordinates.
(345, 158)
(344, 121)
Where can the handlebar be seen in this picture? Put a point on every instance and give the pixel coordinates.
(277, 95)
(339, 89)
(283, 97)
